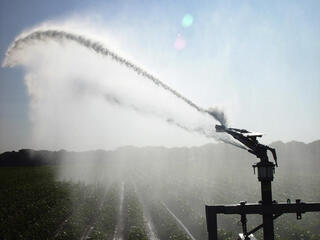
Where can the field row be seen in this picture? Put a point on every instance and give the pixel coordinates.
(33, 205)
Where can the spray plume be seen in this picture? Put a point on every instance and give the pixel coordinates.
(61, 35)
(100, 49)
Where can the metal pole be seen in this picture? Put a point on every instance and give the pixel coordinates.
(212, 224)
(268, 230)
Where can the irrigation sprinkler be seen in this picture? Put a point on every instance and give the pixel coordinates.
(268, 208)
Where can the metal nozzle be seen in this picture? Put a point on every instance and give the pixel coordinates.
(220, 128)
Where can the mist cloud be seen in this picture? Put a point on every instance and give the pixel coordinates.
(77, 85)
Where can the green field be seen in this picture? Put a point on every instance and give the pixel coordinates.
(34, 205)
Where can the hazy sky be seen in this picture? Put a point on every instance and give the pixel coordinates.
(257, 60)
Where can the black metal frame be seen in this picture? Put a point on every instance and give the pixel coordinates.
(268, 208)
(275, 210)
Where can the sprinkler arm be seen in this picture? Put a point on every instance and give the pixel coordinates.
(272, 150)
(249, 139)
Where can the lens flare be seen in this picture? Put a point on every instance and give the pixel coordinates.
(179, 43)
(187, 20)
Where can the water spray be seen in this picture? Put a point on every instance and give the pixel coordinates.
(99, 48)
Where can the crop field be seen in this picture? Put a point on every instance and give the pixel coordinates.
(36, 205)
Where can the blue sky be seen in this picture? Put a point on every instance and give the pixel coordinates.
(259, 60)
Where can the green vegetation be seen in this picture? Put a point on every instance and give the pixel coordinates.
(106, 220)
(35, 206)
(32, 204)
(135, 226)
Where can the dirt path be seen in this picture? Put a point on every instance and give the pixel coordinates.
(118, 233)
(90, 228)
(150, 228)
(146, 217)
